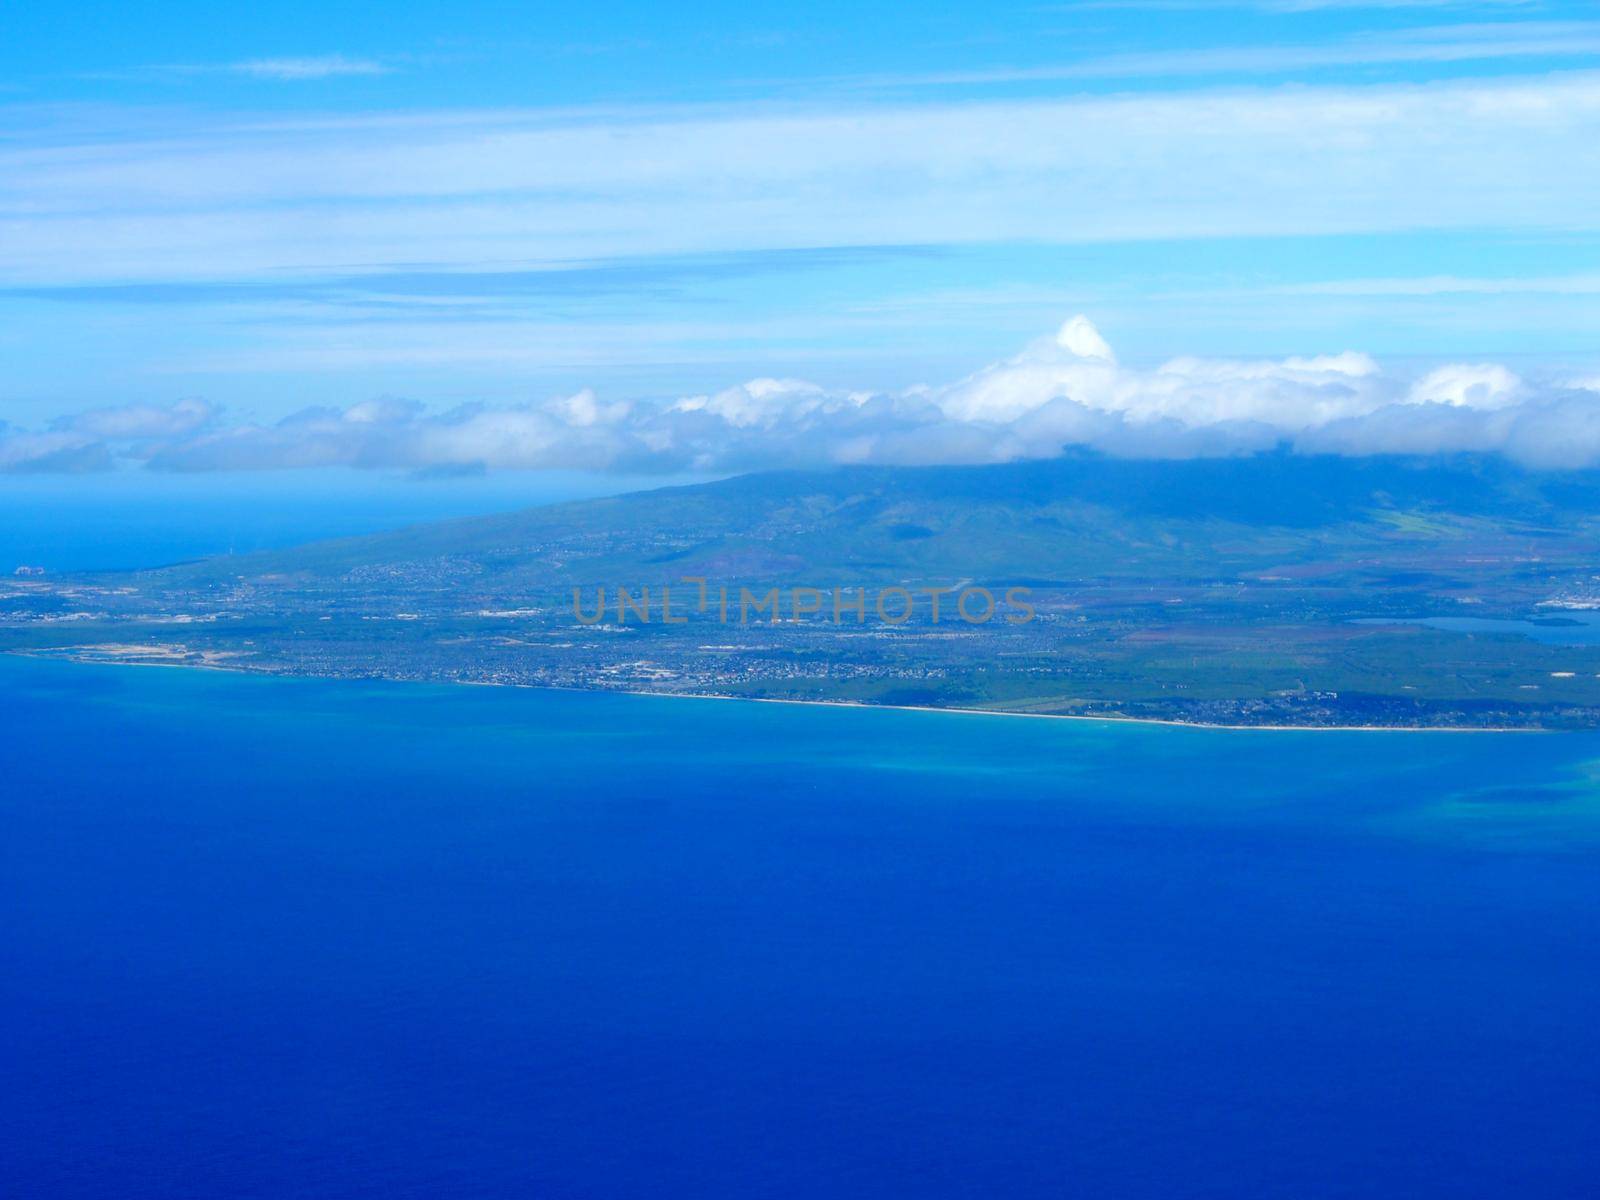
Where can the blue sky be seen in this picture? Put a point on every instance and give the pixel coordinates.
(270, 207)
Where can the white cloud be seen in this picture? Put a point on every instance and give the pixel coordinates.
(308, 197)
(760, 403)
(285, 69)
(1076, 365)
(1484, 385)
(325, 66)
(1446, 285)
(1080, 339)
(1287, 6)
(22, 451)
(135, 422)
(1062, 390)
(1442, 44)
(1316, 5)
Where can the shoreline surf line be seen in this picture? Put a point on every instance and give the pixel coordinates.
(1105, 719)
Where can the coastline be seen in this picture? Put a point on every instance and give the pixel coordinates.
(1107, 719)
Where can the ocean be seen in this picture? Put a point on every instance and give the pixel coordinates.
(274, 938)
(124, 520)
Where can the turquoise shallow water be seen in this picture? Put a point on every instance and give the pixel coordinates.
(288, 937)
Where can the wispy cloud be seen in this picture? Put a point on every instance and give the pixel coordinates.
(1447, 285)
(1317, 5)
(1288, 6)
(287, 69)
(1442, 44)
(470, 191)
(326, 66)
(1061, 391)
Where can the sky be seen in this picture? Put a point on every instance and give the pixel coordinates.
(444, 239)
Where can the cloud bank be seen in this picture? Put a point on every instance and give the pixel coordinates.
(1062, 391)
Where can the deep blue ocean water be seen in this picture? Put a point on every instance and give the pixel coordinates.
(292, 938)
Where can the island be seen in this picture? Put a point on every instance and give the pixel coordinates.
(1268, 590)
